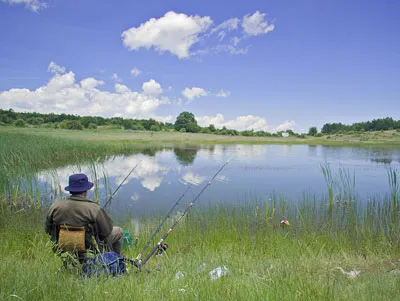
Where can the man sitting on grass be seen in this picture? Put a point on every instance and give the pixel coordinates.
(78, 211)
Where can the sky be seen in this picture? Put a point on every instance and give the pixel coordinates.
(258, 64)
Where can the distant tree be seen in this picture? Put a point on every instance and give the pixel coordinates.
(71, 125)
(186, 121)
(212, 128)
(138, 127)
(19, 123)
(92, 126)
(205, 130)
(155, 128)
(35, 120)
(127, 124)
(291, 133)
(312, 131)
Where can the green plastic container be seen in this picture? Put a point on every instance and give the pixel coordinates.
(128, 239)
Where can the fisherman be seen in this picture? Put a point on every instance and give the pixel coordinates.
(79, 211)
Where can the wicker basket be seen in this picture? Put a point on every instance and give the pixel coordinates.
(71, 239)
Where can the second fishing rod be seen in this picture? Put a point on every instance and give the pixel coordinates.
(138, 262)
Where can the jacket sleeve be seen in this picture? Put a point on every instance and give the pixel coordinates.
(104, 224)
(49, 222)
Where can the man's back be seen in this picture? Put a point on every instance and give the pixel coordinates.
(79, 211)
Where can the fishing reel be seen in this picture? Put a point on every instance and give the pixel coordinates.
(161, 249)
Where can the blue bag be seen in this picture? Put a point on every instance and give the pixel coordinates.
(108, 263)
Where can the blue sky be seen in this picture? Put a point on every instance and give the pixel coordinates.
(269, 65)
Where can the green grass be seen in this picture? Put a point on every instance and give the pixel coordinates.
(117, 136)
(265, 261)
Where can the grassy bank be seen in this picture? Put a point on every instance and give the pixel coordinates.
(307, 260)
(384, 138)
(265, 261)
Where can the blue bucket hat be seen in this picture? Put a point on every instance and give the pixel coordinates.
(78, 183)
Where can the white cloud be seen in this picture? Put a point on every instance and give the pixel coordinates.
(152, 88)
(287, 125)
(90, 83)
(195, 92)
(63, 94)
(192, 178)
(121, 89)
(135, 72)
(179, 33)
(255, 24)
(33, 5)
(225, 27)
(247, 122)
(223, 93)
(164, 119)
(173, 32)
(116, 77)
(240, 123)
(54, 68)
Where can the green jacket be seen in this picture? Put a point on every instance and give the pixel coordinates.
(78, 211)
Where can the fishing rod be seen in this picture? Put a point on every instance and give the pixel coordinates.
(162, 223)
(140, 263)
(119, 186)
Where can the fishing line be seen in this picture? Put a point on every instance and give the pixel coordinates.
(162, 223)
(119, 186)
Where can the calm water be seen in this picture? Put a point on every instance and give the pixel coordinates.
(256, 172)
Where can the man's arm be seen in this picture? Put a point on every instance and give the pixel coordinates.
(49, 225)
(104, 224)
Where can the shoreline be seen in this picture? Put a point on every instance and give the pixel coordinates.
(366, 139)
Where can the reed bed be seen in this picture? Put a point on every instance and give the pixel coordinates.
(333, 248)
(312, 258)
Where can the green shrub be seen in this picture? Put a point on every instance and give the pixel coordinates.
(19, 123)
(71, 125)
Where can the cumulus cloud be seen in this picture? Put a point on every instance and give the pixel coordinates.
(121, 89)
(63, 94)
(287, 125)
(195, 92)
(33, 5)
(54, 68)
(152, 88)
(135, 72)
(179, 33)
(256, 24)
(116, 77)
(173, 32)
(241, 123)
(223, 93)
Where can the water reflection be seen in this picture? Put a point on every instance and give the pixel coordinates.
(257, 170)
(186, 156)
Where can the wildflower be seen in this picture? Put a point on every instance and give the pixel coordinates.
(285, 222)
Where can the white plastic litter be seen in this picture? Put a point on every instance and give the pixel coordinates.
(179, 275)
(396, 272)
(350, 274)
(218, 272)
(202, 268)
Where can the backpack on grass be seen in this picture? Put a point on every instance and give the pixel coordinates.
(108, 263)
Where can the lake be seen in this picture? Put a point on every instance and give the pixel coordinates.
(255, 172)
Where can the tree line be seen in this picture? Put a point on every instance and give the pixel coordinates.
(382, 124)
(185, 122)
